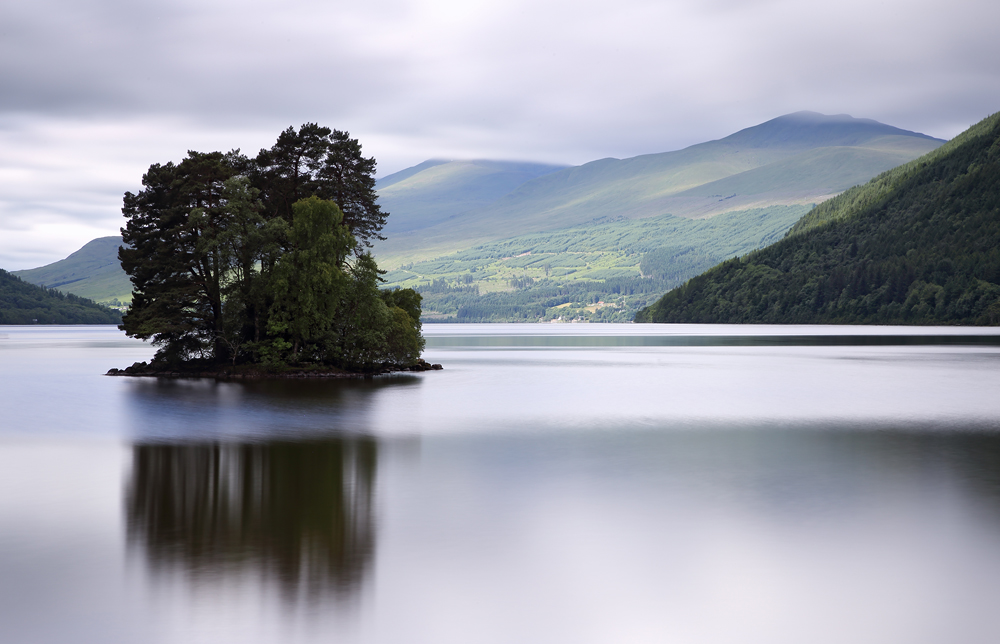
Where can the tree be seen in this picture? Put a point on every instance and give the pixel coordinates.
(173, 257)
(348, 178)
(248, 246)
(318, 161)
(308, 281)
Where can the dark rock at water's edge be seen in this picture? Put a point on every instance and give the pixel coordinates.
(257, 372)
(423, 365)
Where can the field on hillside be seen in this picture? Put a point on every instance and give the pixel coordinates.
(605, 271)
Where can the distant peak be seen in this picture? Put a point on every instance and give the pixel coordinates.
(806, 129)
(396, 177)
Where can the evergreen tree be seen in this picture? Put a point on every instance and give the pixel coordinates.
(327, 163)
(173, 256)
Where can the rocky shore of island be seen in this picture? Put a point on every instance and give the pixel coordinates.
(259, 372)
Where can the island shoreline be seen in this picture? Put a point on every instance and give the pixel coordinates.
(250, 372)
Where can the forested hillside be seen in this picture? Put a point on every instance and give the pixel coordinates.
(916, 245)
(23, 303)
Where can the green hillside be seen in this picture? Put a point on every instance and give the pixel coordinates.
(919, 244)
(605, 271)
(794, 159)
(23, 303)
(92, 272)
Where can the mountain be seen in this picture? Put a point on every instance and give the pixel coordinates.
(23, 303)
(92, 272)
(602, 240)
(919, 244)
(799, 158)
(498, 240)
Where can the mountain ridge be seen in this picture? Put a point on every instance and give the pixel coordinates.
(654, 184)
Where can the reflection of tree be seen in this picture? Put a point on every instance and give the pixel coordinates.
(300, 513)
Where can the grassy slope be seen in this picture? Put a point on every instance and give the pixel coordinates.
(23, 303)
(435, 191)
(808, 177)
(623, 262)
(396, 177)
(655, 184)
(92, 272)
(919, 244)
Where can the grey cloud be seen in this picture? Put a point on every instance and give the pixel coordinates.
(112, 58)
(93, 92)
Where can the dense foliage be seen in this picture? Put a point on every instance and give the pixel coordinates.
(23, 303)
(237, 261)
(917, 245)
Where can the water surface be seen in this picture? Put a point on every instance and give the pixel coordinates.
(584, 483)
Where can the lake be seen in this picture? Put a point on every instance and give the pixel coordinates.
(554, 483)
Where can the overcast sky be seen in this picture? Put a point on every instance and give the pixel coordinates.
(94, 91)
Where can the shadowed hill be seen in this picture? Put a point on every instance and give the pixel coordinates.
(23, 303)
(919, 244)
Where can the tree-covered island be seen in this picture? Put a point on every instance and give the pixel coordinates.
(259, 266)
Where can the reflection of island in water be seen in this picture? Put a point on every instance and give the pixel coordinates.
(298, 513)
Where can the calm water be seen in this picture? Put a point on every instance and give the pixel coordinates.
(556, 483)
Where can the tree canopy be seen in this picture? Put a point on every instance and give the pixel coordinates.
(326, 163)
(236, 260)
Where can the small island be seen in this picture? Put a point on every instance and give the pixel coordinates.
(255, 268)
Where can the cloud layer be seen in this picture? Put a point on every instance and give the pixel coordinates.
(94, 92)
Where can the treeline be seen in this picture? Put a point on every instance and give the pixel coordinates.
(23, 303)
(538, 301)
(916, 245)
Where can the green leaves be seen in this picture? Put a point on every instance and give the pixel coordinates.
(318, 161)
(308, 283)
